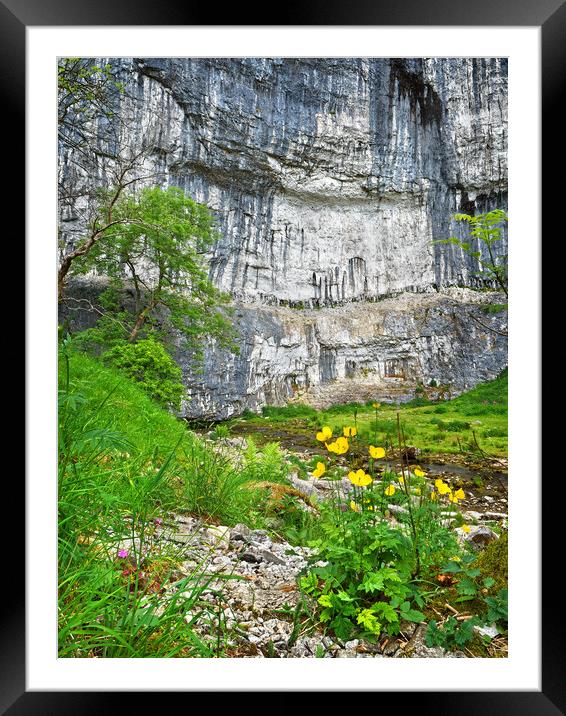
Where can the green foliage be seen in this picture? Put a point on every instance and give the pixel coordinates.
(486, 229)
(365, 585)
(451, 633)
(113, 482)
(489, 398)
(497, 611)
(480, 593)
(155, 244)
(495, 433)
(451, 426)
(493, 562)
(212, 488)
(288, 412)
(267, 465)
(148, 363)
(220, 431)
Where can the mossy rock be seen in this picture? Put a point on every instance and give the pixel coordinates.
(493, 562)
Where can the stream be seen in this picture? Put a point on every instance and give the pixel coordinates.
(483, 479)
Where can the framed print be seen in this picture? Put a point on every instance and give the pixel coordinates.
(301, 186)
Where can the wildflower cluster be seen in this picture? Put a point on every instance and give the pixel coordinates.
(444, 489)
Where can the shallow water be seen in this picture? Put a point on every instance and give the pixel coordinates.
(484, 482)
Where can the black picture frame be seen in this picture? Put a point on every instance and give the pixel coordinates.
(15, 16)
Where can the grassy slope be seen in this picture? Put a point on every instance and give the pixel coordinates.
(196, 479)
(128, 410)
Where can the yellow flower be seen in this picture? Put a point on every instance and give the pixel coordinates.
(355, 507)
(339, 446)
(442, 487)
(460, 494)
(466, 528)
(324, 434)
(453, 498)
(401, 480)
(350, 432)
(370, 508)
(319, 470)
(359, 478)
(375, 405)
(433, 496)
(390, 490)
(455, 559)
(418, 472)
(417, 491)
(376, 452)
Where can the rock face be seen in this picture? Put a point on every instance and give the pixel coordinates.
(329, 179)
(357, 352)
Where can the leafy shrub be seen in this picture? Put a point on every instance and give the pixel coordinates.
(364, 586)
(450, 634)
(148, 363)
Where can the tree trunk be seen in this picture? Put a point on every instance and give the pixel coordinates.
(141, 320)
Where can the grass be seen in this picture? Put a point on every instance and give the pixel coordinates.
(124, 464)
(446, 427)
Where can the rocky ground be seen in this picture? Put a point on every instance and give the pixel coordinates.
(255, 596)
(252, 592)
(252, 582)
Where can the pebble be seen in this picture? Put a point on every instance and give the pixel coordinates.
(259, 607)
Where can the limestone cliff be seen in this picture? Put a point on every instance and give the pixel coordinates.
(329, 179)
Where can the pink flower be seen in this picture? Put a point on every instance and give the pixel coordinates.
(122, 553)
(158, 521)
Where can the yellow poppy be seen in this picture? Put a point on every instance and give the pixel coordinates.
(325, 434)
(376, 452)
(355, 507)
(350, 432)
(433, 496)
(319, 470)
(340, 446)
(418, 472)
(390, 490)
(376, 405)
(359, 478)
(466, 528)
(442, 487)
(460, 494)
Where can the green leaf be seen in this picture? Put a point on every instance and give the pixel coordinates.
(413, 615)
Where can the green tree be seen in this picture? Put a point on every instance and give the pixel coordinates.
(155, 243)
(487, 230)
